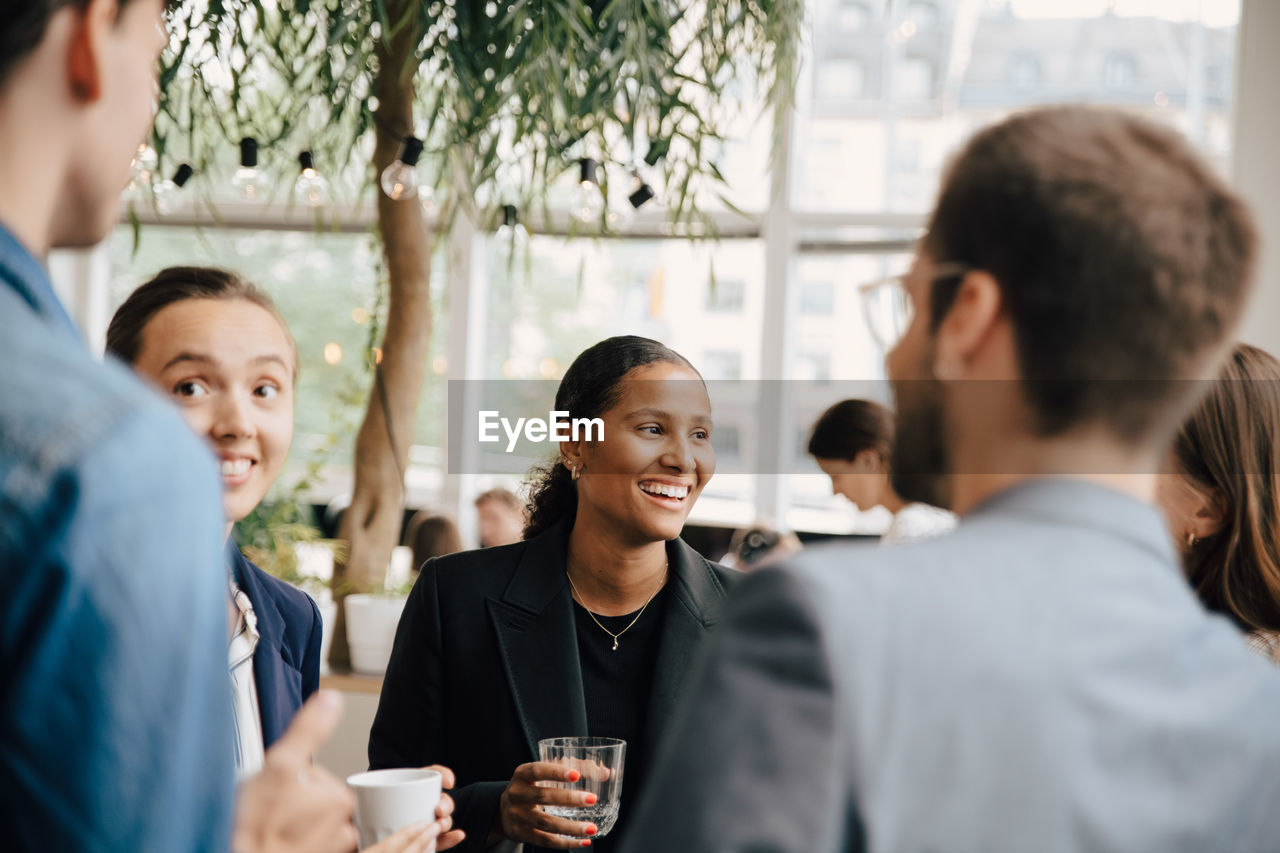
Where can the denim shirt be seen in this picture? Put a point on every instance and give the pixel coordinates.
(115, 718)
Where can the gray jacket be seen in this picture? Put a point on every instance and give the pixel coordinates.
(1040, 680)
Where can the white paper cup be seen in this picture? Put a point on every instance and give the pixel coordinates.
(389, 800)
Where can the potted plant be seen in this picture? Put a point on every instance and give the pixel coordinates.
(372, 617)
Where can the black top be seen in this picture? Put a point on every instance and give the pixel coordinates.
(616, 686)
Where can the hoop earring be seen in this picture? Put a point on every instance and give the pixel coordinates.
(1192, 539)
(574, 473)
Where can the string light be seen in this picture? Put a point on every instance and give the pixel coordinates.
(642, 193)
(310, 187)
(400, 179)
(511, 236)
(166, 192)
(588, 203)
(249, 181)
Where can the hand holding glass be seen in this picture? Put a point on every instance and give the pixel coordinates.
(599, 762)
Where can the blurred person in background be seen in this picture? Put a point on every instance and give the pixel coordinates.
(502, 517)
(759, 545)
(852, 442)
(431, 535)
(587, 627)
(1223, 497)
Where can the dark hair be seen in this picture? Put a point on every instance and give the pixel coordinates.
(590, 387)
(1231, 444)
(1121, 255)
(176, 284)
(431, 535)
(506, 497)
(850, 427)
(23, 24)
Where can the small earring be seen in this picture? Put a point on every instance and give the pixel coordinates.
(574, 473)
(1191, 539)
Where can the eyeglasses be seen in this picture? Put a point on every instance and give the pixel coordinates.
(887, 306)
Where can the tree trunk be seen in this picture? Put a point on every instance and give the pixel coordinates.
(371, 524)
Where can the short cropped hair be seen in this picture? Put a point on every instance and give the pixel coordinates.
(1122, 257)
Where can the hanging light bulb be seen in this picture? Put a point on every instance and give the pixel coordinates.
(400, 179)
(588, 203)
(641, 194)
(512, 236)
(166, 192)
(248, 180)
(144, 163)
(310, 187)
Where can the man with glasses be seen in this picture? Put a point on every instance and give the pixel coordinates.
(1042, 679)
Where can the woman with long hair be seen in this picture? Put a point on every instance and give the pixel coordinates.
(1223, 498)
(588, 627)
(851, 443)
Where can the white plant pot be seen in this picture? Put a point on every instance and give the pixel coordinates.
(371, 630)
(328, 615)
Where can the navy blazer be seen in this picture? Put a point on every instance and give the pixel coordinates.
(286, 664)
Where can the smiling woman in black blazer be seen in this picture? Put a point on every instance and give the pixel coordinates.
(588, 627)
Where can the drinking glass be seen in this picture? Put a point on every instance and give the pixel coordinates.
(599, 762)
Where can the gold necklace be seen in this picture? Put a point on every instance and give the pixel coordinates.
(578, 595)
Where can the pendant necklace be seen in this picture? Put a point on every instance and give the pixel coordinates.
(578, 595)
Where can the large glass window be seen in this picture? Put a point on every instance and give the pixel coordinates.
(937, 70)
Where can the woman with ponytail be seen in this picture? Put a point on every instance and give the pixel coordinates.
(588, 627)
(1223, 497)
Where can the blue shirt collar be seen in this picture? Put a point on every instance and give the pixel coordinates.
(26, 276)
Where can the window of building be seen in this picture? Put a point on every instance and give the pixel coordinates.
(840, 77)
(725, 296)
(914, 79)
(1024, 71)
(1119, 72)
(852, 15)
(817, 298)
(721, 365)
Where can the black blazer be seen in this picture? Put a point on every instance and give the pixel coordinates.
(485, 664)
(286, 663)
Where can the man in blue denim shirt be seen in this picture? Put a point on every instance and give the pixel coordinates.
(115, 722)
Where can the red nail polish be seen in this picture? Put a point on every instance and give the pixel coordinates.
(591, 830)
(591, 799)
(586, 842)
(574, 776)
